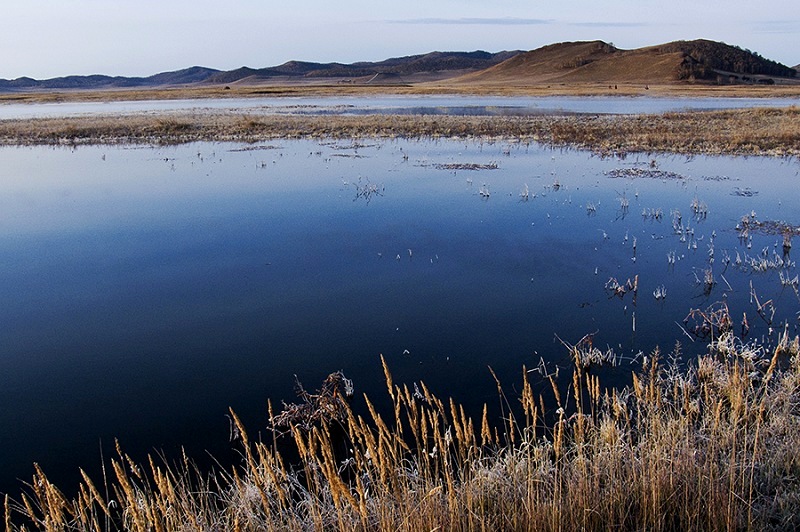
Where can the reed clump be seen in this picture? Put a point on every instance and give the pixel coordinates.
(774, 132)
(711, 445)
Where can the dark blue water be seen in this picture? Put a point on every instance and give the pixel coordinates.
(147, 290)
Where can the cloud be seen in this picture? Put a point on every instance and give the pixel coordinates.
(476, 21)
(777, 26)
(610, 24)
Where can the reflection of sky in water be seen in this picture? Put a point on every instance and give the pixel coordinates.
(146, 290)
(426, 104)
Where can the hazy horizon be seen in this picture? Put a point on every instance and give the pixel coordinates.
(51, 38)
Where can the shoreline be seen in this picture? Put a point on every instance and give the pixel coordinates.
(422, 89)
(753, 131)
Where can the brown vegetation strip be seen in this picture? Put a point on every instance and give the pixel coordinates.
(743, 132)
(512, 87)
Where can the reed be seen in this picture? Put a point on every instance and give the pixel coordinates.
(711, 445)
(774, 132)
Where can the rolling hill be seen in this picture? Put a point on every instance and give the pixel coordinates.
(597, 61)
(179, 77)
(399, 70)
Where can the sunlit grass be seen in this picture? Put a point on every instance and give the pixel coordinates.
(746, 131)
(709, 445)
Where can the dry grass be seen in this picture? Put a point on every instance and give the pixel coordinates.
(712, 447)
(748, 131)
(518, 86)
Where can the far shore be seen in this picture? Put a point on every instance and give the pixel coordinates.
(333, 88)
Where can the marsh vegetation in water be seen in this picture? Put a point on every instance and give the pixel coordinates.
(149, 289)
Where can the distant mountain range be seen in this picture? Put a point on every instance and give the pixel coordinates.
(179, 77)
(593, 61)
(401, 69)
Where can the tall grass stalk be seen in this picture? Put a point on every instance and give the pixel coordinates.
(712, 445)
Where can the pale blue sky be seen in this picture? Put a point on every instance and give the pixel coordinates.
(48, 38)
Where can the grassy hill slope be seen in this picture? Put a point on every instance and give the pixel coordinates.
(597, 61)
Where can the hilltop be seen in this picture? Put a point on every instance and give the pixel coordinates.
(699, 61)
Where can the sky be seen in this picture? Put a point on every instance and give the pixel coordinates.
(50, 38)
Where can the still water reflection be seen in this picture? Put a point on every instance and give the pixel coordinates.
(390, 104)
(146, 290)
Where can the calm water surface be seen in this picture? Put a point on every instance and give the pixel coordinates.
(146, 290)
(426, 105)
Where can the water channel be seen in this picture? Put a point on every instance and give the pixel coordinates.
(427, 104)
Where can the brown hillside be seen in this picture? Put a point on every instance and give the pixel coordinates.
(599, 62)
(594, 61)
(643, 65)
(543, 64)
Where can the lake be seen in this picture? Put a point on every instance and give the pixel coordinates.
(389, 104)
(148, 289)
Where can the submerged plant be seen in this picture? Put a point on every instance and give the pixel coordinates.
(653, 214)
(367, 190)
(710, 323)
(671, 258)
(699, 208)
(585, 354)
(525, 194)
(616, 289)
(660, 293)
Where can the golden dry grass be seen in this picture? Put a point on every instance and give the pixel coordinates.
(743, 132)
(710, 447)
(582, 63)
(510, 86)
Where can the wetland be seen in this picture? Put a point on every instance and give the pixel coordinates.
(165, 268)
(149, 288)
